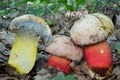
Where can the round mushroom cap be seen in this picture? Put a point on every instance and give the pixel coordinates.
(63, 46)
(91, 28)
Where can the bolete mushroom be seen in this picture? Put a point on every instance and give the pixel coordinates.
(63, 46)
(24, 49)
(91, 32)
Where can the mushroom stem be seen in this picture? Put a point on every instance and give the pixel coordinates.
(23, 53)
(99, 59)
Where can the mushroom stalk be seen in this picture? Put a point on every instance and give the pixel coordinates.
(23, 53)
(99, 59)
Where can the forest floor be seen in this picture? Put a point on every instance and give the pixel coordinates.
(61, 25)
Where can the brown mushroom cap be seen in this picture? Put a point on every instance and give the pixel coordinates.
(91, 28)
(62, 46)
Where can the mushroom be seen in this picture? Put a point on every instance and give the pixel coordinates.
(91, 32)
(91, 28)
(62, 46)
(28, 28)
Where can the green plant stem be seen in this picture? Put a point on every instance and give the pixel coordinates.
(45, 7)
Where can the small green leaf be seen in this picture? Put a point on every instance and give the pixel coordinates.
(70, 77)
(79, 2)
(42, 1)
(117, 47)
(69, 7)
(2, 12)
(60, 76)
(49, 22)
(118, 50)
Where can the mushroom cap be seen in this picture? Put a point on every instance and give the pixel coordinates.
(91, 28)
(32, 24)
(26, 17)
(62, 46)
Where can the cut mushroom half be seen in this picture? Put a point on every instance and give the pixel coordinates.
(24, 49)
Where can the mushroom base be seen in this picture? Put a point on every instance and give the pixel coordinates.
(99, 73)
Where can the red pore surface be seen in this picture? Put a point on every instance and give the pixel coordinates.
(61, 64)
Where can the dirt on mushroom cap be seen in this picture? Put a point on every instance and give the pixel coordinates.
(89, 30)
(63, 46)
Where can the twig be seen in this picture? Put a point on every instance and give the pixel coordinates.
(96, 6)
(50, 10)
(8, 78)
(45, 9)
(18, 9)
